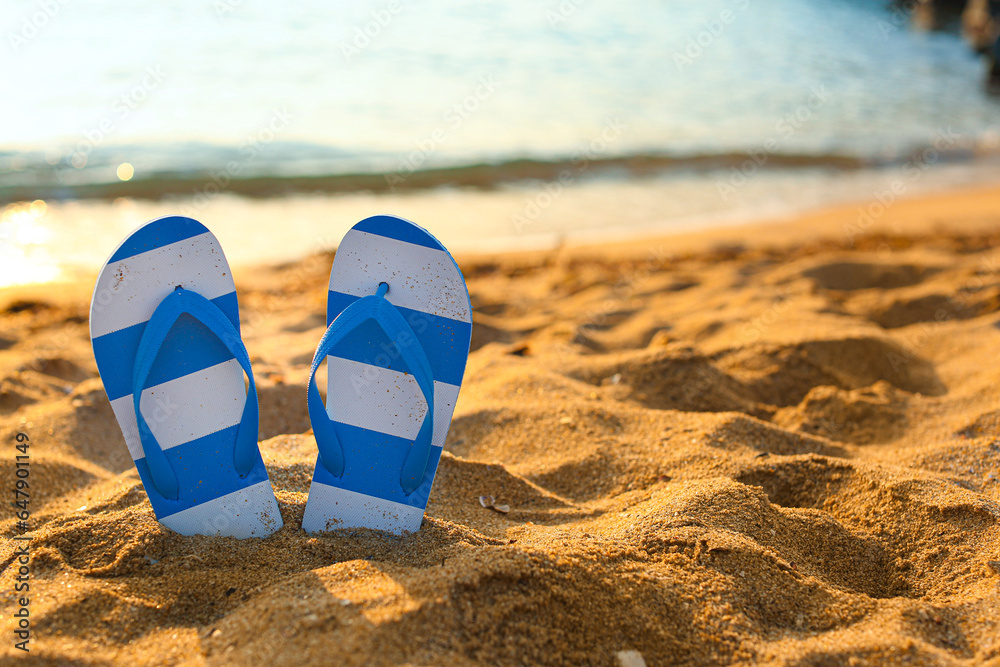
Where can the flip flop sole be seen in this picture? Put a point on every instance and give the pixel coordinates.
(372, 397)
(194, 398)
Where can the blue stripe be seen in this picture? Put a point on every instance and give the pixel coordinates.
(205, 471)
(445, 341)
(157, 234)
(401, 230)
(189, 348)
(372, 464)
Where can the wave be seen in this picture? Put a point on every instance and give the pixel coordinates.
(41, 180)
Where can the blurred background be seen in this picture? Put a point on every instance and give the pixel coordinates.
(494, 124)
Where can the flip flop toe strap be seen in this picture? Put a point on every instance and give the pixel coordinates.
(378, 309)
(177, 303)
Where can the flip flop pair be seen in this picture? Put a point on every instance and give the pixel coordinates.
(166, 335)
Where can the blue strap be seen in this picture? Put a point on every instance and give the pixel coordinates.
(374, 307)
(177, 303)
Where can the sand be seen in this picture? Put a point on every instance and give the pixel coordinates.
(780, 450)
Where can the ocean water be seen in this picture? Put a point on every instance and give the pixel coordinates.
(186, 101)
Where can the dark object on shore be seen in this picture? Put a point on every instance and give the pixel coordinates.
(981, 27)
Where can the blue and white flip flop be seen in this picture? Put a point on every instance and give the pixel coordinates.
(400, 324)
(165, 327)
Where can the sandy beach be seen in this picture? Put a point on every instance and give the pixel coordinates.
(770, 444)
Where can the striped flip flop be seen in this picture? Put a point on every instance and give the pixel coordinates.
(400, 324)
(165, 327)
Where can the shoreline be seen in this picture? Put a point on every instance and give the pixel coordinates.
(967, 209)
(409, 177)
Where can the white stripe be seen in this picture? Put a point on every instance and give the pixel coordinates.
(330, 508)
(186, 408)
(419, 278)
(384, 400)
(129, 290)
(249, 512)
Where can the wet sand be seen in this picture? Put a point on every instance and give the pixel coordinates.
(775, 444)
